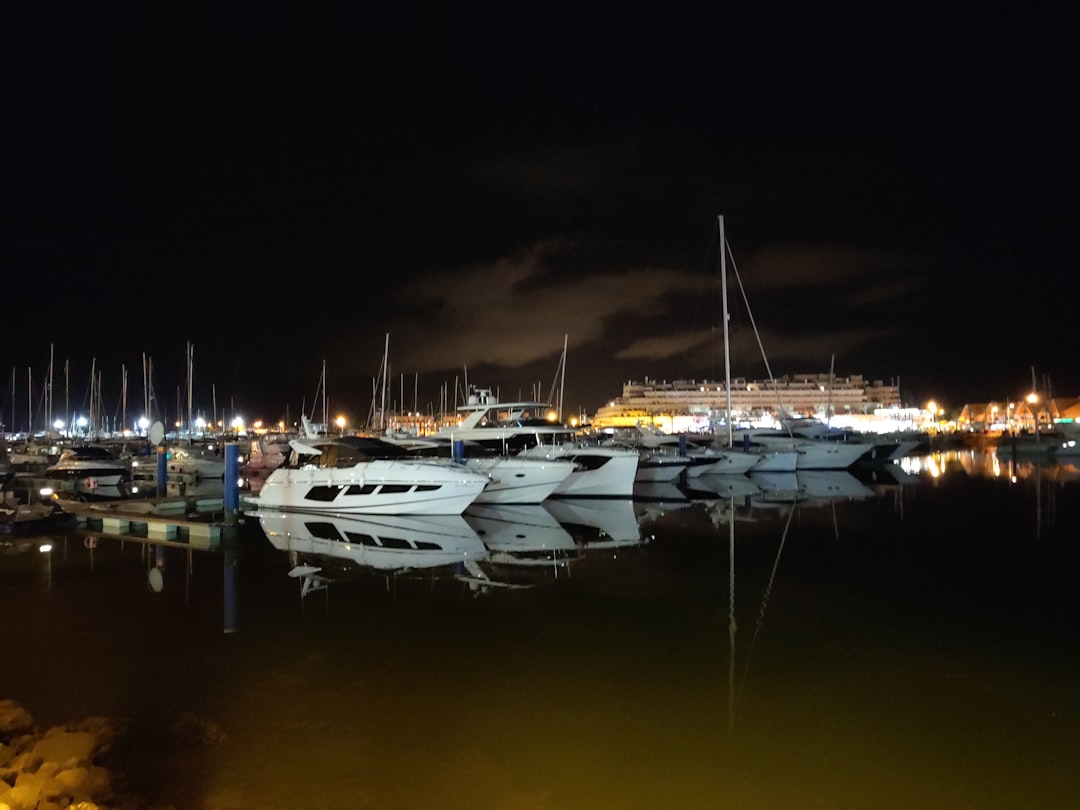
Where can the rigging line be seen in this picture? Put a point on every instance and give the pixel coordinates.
(753, 323)
(765, 597)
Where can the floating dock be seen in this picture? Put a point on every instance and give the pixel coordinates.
(195, 522)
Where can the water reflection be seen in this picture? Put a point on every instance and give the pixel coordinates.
(653, 660)
(488, 547)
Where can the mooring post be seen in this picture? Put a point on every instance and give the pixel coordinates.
(162, 470)
(230, 533)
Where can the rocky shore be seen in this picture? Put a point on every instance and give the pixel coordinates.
(67, 766)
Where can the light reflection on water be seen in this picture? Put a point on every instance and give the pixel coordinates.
(907, 646)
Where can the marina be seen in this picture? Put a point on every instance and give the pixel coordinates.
(776, 643)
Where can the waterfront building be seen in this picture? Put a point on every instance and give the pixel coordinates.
(695, 404)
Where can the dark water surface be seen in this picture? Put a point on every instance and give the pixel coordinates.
(914, 648)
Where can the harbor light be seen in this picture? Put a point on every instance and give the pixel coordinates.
(340, 422)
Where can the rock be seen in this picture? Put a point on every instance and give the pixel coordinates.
(14, 720)
(105, 731)
(59, 745)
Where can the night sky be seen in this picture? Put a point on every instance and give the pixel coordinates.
(287, 186)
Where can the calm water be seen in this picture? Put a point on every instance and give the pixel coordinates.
(913, 648)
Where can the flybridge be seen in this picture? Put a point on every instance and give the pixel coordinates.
(484, 410)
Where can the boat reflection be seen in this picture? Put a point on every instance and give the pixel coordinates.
(525, 537)
(597, 520)
(323, 548)
(487, 547)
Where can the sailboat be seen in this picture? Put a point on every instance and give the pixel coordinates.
(769, 459)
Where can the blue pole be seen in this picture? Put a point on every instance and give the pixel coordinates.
(230, 534)
(682, 444)
(232, 480)
(459, 450)
(162, 470)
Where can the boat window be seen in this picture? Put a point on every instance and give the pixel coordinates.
(322, 493)
(424, 545)
(329, 456)
(426, 487)
(361, 489)
(590, 462)
(394, 489)
(395, 542)
(362, 539)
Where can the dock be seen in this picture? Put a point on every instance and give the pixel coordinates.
(190, 521)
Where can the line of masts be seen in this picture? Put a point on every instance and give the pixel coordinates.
(97, 423)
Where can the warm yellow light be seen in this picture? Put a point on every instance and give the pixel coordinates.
(932, 407)
(340, 422)
(552, 416)
(1032, 397)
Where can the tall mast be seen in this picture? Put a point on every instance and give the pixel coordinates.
(382, 375)
(562, 378)
(49, 392)
(29, 402)
(727, 348)
(93, 385)
(190, 383)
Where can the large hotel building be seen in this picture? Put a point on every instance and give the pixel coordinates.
(701, 401)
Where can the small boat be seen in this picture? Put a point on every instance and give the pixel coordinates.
(24, 510)
(89, 467)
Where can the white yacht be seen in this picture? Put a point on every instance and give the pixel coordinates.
(811, 453)
(599, 472)
(518, 479)
(340, 476)
(514, 479)
(522, 429)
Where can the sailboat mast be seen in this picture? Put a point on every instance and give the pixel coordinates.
(190, 383)
(49, 389)
(727, 348)
(383, 374)
(828, 407)
(562, 378)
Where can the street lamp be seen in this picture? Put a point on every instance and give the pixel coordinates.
(341, 425)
